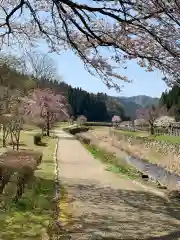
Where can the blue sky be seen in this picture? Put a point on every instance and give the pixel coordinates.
(72, 71)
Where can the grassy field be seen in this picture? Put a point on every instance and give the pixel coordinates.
(61, 125)
(113, 163)
(165, 138)
(32, 216)
(28, 127)
(134, 134)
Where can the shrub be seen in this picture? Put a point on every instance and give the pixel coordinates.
(116, 120)
(76, 130)
(161, 130)
(73, 131)
(83, 138)
(21, 164)
(98, 124)
(81, 120)
(37, 139)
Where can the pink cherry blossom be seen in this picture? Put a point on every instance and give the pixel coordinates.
(105, 35)
(44, 106)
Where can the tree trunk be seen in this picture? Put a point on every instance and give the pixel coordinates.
(48, 125)
(12, 141)
(4, 142)
(17, 142)
(17, 147)
(152, 129)
(4, 137)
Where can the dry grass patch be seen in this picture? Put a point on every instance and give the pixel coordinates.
(113, 163)
(168, 161)
(32, 216)
(61, 125)
(29, 127)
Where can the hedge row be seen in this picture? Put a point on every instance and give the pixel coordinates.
(22, 164)
(75, 130)
(102, 124)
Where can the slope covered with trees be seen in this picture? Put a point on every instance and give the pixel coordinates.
(143, 100)
(171, 99)
(131, 104)
(96, 107)
(90, 105)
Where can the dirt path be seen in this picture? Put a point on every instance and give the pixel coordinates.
(106, 206)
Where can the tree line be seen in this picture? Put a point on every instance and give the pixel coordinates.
(96, 107)
(171, 99)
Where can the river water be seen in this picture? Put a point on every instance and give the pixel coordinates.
(156, 173)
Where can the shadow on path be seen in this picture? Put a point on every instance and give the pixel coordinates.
(66, 138)
(107, 213)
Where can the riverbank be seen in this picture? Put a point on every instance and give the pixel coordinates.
(105, 143)
(105, 205)
(113, 163)
(164, 154)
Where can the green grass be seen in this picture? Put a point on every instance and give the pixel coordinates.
(61, 124)
(165, 138)
(133, 134)
(113, 164)
(29, 127)
(32, 216)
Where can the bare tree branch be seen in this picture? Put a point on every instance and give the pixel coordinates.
(40, 65)
(148, 31)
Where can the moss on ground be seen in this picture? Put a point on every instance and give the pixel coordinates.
(33, 216)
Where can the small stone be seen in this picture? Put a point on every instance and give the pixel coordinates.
(161, 186)
(144, 176)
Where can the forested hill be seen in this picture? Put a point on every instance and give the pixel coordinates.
(131, 104)
(96, 107)
(171, 99)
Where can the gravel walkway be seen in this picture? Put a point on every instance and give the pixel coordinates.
(100, 205)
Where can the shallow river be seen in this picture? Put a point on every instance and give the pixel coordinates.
(156, 173)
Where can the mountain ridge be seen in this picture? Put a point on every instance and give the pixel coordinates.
(97, 107)
(131, 104)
